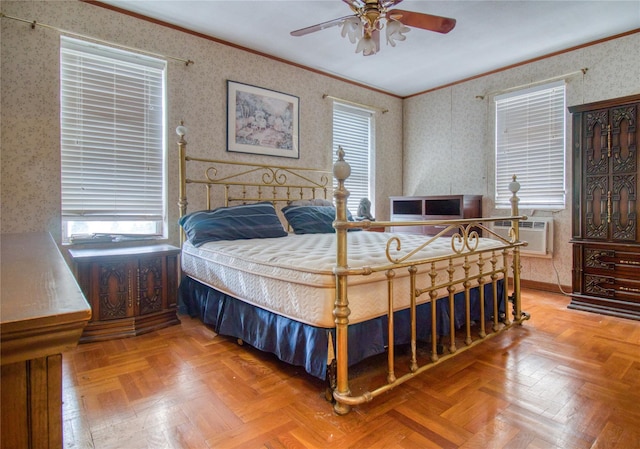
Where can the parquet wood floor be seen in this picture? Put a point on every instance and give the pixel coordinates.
(566, 379)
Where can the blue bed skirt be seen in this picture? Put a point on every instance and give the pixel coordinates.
(307, 346)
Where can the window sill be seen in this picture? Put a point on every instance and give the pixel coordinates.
(110, 239)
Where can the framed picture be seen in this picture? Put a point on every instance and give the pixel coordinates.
(262, 121)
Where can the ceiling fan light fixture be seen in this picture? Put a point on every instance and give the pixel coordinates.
(352, 28)
(367, 46)
(372, 16)
(369, 19)
(395, 31)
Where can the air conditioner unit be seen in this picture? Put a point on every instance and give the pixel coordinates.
(536, 231)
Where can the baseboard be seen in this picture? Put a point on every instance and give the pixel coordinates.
(545, 286)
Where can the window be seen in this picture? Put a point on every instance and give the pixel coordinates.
(530, 143)
(352, 130)
(112, 142)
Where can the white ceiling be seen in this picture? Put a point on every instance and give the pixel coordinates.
(489, 35)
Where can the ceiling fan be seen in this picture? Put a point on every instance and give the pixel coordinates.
(371, 16)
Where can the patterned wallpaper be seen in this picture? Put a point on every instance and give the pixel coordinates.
(449, 134)
(446, 135)
(197, 93)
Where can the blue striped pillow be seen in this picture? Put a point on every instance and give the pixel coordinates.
(310, 219)
(246, 221)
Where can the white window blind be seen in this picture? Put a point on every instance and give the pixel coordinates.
(530, 143)
(112, 138)
(352, 130)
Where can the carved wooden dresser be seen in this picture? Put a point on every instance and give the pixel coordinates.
(606, 237)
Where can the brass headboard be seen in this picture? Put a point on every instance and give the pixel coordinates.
(244, 182)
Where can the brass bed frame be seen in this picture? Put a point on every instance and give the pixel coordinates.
(281, 184)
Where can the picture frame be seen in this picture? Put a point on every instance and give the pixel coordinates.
(262, 121)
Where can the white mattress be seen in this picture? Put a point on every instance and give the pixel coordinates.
(292, 276)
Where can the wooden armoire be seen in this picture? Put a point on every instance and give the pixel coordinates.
(606, 236)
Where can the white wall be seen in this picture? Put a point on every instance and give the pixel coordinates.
(449, 133)
(30, 129)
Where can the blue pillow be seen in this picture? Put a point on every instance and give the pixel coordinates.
(246, 221)
(312, 219)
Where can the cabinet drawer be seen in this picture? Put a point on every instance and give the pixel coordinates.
(407, 229)
(435, 229)
(612, 287)
(612, 261)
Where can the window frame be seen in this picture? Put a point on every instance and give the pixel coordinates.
(538, 147)
(354, 152)
(98, 121)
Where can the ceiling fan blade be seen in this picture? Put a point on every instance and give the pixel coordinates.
(318, 27)
(425, 21)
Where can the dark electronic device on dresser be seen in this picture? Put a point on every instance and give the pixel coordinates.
(441, 207)
(606, 238)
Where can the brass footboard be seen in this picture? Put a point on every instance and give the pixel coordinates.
(435, 277)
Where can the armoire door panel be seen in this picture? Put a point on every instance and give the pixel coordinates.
(624, 146)
(595, 206)
(624, 217)
(597, 142)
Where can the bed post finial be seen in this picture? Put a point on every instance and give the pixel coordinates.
(181, 130)
(341, 168)
(514, 186)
